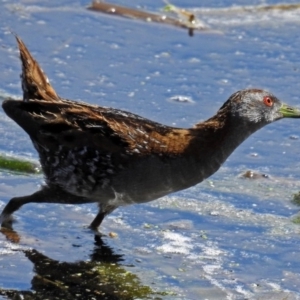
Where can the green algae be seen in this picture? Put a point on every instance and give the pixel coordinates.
(103, 277)
(17, 164)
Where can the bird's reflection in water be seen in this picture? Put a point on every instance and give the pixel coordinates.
(101, 277)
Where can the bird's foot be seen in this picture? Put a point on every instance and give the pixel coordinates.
(6, 221)
(94, 231)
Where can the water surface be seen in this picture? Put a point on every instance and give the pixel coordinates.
(226, 238)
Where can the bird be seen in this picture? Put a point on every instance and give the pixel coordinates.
(108, 156)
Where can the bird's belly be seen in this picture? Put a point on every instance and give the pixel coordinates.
(135, 181)
(154, 178)
(135, 185)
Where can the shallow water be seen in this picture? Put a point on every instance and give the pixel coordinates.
(226, 238)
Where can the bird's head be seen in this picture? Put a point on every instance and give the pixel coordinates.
(258, 107)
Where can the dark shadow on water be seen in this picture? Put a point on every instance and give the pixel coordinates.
(101, 277)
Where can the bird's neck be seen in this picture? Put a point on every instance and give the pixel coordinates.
(215, 139)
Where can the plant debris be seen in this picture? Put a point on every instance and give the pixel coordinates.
(186, 19)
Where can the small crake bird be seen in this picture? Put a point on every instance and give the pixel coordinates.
(112, 157)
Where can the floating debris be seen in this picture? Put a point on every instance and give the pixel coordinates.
(113, 234)
(181, 99)
(293, 137)
(185, 16)
(188, 21)
(296, 220)
(252, 8)
(296, 199)
(254, 175)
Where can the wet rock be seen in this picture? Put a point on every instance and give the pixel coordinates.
(254, 175)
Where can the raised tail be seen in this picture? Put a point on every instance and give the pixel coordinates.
(35, 83)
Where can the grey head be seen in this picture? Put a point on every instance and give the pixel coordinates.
(257, 108)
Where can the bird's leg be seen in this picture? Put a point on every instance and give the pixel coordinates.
(45, 195)
(14, 204)
(100, 216)
(97, 221)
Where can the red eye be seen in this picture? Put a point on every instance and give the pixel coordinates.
(268, 101)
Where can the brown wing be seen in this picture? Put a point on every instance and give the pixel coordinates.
(71, 123)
